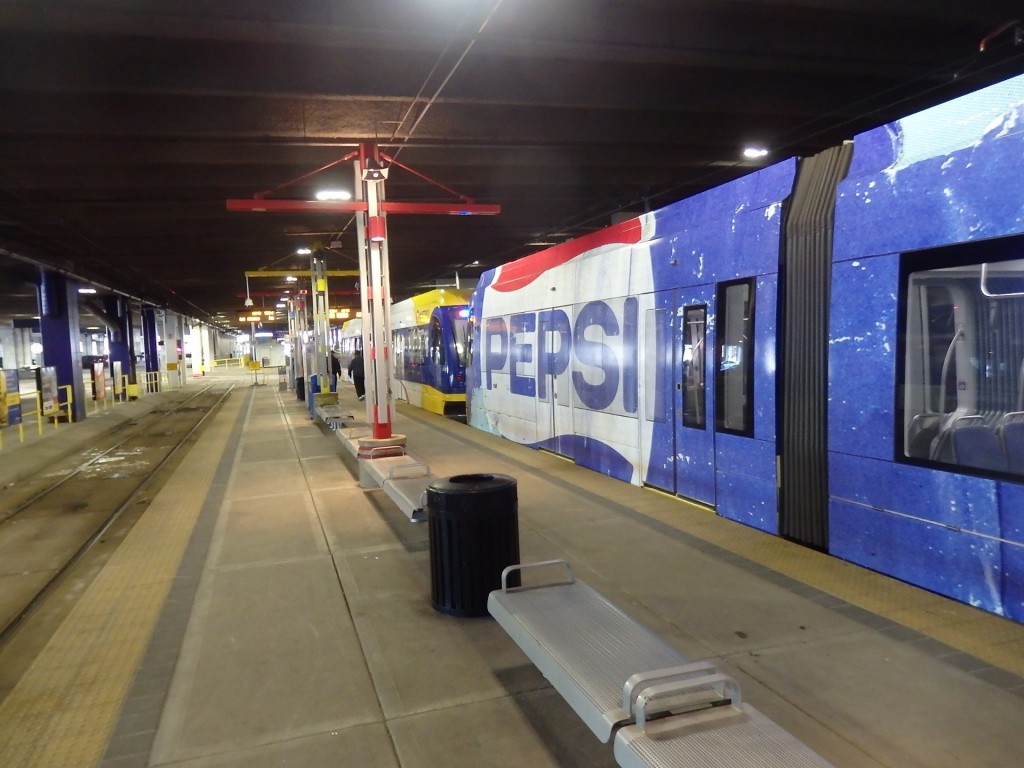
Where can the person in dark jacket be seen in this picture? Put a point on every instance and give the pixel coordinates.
(357, 374)
(335, 371)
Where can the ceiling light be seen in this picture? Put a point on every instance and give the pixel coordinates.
(291, 279)
(333, 194)
(374, 170)
(303, 251)
(280, 305)
(753, 153)
(87, 290)
(247, 302)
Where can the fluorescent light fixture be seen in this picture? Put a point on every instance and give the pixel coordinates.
(87, 290)
(752, 153)
(333, 194)
(291, 279)
(280, 305)
(263, 335)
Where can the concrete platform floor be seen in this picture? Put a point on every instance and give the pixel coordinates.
(267, 611)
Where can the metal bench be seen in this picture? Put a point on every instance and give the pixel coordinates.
(333, 416)
(624, 681)
(349, 437)
(402, 478)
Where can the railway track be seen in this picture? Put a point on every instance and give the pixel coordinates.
(50, 522)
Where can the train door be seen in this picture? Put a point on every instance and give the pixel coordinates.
(551, 372)
(555, 333)
(658, 354)
(694, 401)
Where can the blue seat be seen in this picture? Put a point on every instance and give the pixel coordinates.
(978, 446)
(1013, 446)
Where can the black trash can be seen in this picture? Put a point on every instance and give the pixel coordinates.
(474, 535)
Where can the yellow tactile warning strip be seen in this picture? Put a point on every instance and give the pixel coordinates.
(63, 709)
(989, 638)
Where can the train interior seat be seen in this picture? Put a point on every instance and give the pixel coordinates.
(976, 445)
(922, 433)
(1011, 433)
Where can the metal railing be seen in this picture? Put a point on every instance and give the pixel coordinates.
(113, 393)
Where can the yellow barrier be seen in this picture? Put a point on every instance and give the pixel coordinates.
(66, 406)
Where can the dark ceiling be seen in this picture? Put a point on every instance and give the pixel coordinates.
(125, 125)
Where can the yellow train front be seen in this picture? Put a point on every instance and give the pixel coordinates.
(430, 350)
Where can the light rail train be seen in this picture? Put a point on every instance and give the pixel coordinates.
(829, 349)
(430, 349)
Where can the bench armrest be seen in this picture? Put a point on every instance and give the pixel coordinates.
(688, 685)
(396, 473)
(384, 450)
(569, 579)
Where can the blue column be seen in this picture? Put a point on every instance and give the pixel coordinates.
(116, 308)
(59, 327)
(150, 347)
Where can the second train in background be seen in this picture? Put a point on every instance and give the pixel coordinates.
(430, 348)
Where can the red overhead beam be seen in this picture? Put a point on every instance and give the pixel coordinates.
(355, 206)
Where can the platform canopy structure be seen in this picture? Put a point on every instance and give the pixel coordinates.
(371, 168)
(125, 126)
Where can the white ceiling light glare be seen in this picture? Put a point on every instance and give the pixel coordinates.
(754, 153)
(303, 251)
(291, 279)
(333, 194)
(87, 290)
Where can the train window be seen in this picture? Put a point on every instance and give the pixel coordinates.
(695, 322)
(436, 342)
(459, 321)
(963, 369)
(734, 368)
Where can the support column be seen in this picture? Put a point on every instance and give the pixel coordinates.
(205, 361)
(59, 326)
(119, 342)
(23, 343)
(150, 348)
(376, 292)
(179, 347)
(8, 354)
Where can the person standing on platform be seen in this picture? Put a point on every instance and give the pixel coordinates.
(335, 371)
(357, 374)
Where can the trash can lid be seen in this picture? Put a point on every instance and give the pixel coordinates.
(471, 483)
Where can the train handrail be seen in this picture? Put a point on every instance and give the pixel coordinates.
(983, 285)
(945, 369)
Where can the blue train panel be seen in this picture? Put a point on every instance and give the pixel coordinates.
(652, 351)
(604, 350)
(926, 383)
(862, 356)
(947, 175)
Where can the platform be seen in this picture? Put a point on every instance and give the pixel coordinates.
(268, 611)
